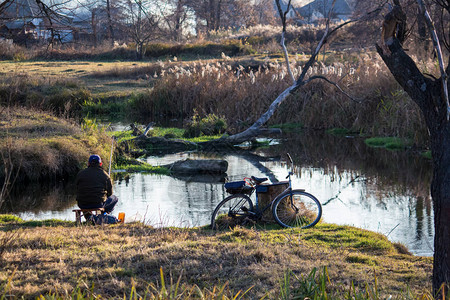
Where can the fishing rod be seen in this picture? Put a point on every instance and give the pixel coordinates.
(110, 156)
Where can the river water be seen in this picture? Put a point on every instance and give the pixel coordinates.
(374, 189)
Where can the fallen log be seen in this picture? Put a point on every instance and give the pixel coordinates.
(162, 144)
(166, 145)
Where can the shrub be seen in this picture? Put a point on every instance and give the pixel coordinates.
(43, 147)
(229, 47)
(61, 97)
(67, 101)
(208, 125)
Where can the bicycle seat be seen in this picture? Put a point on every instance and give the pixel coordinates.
(259, 180)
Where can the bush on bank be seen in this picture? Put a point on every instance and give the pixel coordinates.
(38, 145)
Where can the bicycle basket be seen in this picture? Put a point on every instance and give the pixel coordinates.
(238, 187)
(262, 188)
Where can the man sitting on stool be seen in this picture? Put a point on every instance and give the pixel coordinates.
(94, 187)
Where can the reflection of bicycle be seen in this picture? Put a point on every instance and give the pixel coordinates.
(291, 208)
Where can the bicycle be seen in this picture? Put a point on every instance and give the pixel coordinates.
(291, 208)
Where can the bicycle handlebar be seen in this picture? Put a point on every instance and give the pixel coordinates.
(290, 158)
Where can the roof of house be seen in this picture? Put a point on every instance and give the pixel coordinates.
(341, 8)
(18, 24)
(19, 9)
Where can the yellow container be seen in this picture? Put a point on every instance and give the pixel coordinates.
(121, 217)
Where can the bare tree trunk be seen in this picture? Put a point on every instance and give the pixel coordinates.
(210, 21)
(94, 27)
(427, 94)
(255, 129)
(180, 16)
(422, 31)
(110, 27)
(440, 192)
(218, 13)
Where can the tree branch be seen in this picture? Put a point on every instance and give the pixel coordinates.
(312, 59)
(283, 16)
(4, 5)
(438, 50)
(333, 83)
(408, 75)
(252, 130)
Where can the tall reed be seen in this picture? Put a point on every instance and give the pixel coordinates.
(378, 105)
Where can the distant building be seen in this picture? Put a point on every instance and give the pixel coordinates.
(312, 11)
(24, 22)
(319, 9)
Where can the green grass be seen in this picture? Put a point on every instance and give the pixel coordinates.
(390, 143)
(47, 223)
(167, 132)
(361, 259)
(131, 165)
(427, 154)
(122, 136)
(144, 168)
(10, 219)
(117, 108)
(203, 138)
(338, 236)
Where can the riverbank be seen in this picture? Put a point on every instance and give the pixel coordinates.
(37, 145)
(113, 261)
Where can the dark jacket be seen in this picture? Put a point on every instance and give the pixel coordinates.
(93, 187)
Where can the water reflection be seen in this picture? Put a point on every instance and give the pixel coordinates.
(379, 190)
(42, 200)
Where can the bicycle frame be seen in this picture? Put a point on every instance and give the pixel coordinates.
(258, 212)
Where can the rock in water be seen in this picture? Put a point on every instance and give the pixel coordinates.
(198, 166)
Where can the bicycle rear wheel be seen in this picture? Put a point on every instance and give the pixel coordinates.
(297, 209)
(232, 211)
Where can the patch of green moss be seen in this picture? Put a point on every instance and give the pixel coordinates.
(361, 259)
(100, 107)
(145, 168)
(390, 143)
(167, 132)
(288, 126)
(10, 219)
(203, 138)
(342, 132)
(427, 154)
(132, 165)
(337, 236)
(122, 136)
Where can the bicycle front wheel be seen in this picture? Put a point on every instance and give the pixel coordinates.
(297, 209)
(232, 211)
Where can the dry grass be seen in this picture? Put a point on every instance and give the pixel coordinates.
(239, 89)
(106, 78)
(242, 94)
(112, 258)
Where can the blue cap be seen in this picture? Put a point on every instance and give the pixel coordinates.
(95, 158)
